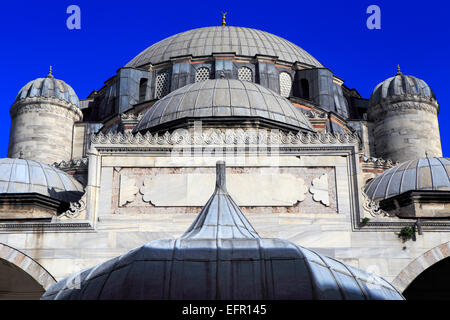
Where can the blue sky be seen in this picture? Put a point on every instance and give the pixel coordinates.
(34, 35)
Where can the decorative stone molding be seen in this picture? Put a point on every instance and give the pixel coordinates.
(379, 162)
(319, 190)
(398, 105)
(76, 210)
(28, 265)
(48, 104)
(230, 137)
(420, 264)
(81, 163)
(128, 190)
(315, 115)
(373, 207)
(129, 121)
(131, 117)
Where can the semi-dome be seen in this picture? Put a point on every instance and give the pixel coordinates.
(421, 174)
(28, 176)
(221, 256)
(219, 99)
(49, 87)
(224, 39)
(401, 85)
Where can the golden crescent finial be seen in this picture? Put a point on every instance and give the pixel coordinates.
(224, 23)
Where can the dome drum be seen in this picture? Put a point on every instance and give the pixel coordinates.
(404, 111)
(43, 116)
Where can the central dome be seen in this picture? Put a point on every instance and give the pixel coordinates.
(223, 99)
(205, 41)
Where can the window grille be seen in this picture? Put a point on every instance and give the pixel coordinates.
(162, 84)
(285, 84)
(245, 74)
(202, 74)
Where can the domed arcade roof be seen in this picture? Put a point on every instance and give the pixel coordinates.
(401, 85)
(223, 39)
(223, 98)
(422, 174)
(49, 87)
(28, 176)
(222, 257)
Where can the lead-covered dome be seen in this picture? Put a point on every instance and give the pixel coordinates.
(421, 174)
(28, 176)
(220, 99)
(49, 87)
(221, 256)
(224, 39)
(401, 86)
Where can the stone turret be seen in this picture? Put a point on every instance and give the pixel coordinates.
(43, 116)
(404, 112)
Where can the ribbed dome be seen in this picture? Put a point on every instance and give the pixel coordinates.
(421, 174)
(49, 87)
(401, 85)
(223, 98)
(205, 41)
(28, 176)
(222, 257)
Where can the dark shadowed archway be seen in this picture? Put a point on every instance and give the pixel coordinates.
(21, 277)
(433, 283)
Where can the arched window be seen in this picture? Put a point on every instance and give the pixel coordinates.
(245, 74)
(285, 84)
(142, 89)
(162, 84)
(202, 74)
(305, 88)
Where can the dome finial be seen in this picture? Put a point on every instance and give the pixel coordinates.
(50, 72)
(398, 69)
(224, 23)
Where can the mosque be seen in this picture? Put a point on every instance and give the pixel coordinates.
(329, 195)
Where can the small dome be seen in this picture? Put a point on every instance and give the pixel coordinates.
(221, 256)
(422, 174)
(49, 87)
(223, 39)
(224, 99)
(28, 176)
(401, 85)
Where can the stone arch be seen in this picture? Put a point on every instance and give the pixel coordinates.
(27, 264)
(420, 264)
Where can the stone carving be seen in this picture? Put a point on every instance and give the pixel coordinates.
(131, 116)
(319, 190)
(48, 104)
(128, 190)
(76, 210)
(379, 161)
(373, 207)
(71, 164)
(211, 137)
(247, 189)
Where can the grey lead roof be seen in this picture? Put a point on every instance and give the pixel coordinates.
(49, 87)
(28, 176)
(205, 41)
(399, 85)
(422, 174)
(218, 98)
(222, 257)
